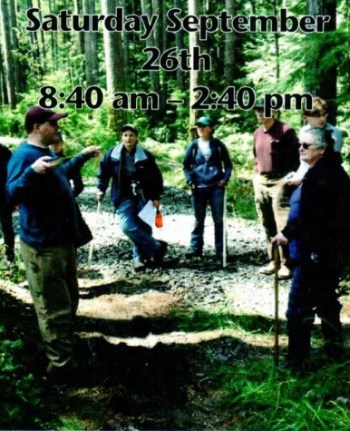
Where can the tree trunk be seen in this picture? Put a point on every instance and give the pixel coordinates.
(229, 54)
(9, 63)
(194, 75)
(3, 93)
(129, 70)
(179, 38)
(277, 46)
(114, 69)
(78, 10)
(146, 8)
(36, 60)
(322, 81)
(90, 44)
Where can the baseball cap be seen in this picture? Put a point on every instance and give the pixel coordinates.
(129, 127)
(204, 121)
(260, 104)
(39, 115)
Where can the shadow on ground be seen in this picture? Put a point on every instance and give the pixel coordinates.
(168, 386)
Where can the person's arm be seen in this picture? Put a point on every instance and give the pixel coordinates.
(227, 162)
(76, 163)
(24, 177)
(78, 185)
(188, 163)
(104, 175)
(292, 146)
(156, 190)
(295, 178)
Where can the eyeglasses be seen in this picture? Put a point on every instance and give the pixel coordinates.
(305, 145)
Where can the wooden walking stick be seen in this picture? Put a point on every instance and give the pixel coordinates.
(91, 248)
(276, 256)
(224, 250)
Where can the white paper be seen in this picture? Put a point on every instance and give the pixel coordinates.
(148, 213)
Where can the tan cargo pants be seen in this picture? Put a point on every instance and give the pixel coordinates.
(272, 204)
(53, 284)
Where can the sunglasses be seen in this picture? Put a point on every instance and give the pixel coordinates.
(305, 145)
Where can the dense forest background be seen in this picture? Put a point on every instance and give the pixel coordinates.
(80, 73)
(112, 62)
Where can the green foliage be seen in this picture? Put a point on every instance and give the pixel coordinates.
(201, 320)
(14, 272)
(258, 397)
(20, 397)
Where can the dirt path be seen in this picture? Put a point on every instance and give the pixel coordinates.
(153, 336)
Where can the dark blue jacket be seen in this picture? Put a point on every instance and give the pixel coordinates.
(323, 224)
(198, 171)
(147, 175)
(49, 214)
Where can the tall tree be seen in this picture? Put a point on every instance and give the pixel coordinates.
(37, 62)
(229, 53)
(179, 38)
(194, 75)
(114, 68)
(321, 78)
(3, 92)
(9, 62)
(90, 44)
(146, 8)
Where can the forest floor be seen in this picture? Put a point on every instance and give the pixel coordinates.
(153, 340)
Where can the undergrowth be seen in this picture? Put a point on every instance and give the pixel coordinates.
(262, 398)
(21, 397)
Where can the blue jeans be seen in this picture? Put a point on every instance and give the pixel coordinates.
(139, 232)
(201, 197)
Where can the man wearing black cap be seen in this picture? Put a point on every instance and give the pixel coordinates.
(136, 180)
(51, 227)
(276, 154)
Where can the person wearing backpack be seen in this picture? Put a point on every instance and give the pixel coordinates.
(207, 167)
(318, 234)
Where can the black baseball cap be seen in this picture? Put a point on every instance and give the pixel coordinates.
(129, 127)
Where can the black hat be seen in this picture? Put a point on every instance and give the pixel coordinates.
(39, 115)
(129, 127)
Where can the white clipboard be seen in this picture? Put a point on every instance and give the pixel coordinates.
(148, 213)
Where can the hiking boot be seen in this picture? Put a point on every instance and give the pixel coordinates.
(10, 255)
(194, 255)
(297, 368)
(269, 269)
(139, 265)
(160, 252)
(284, 273)
(67, 373)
